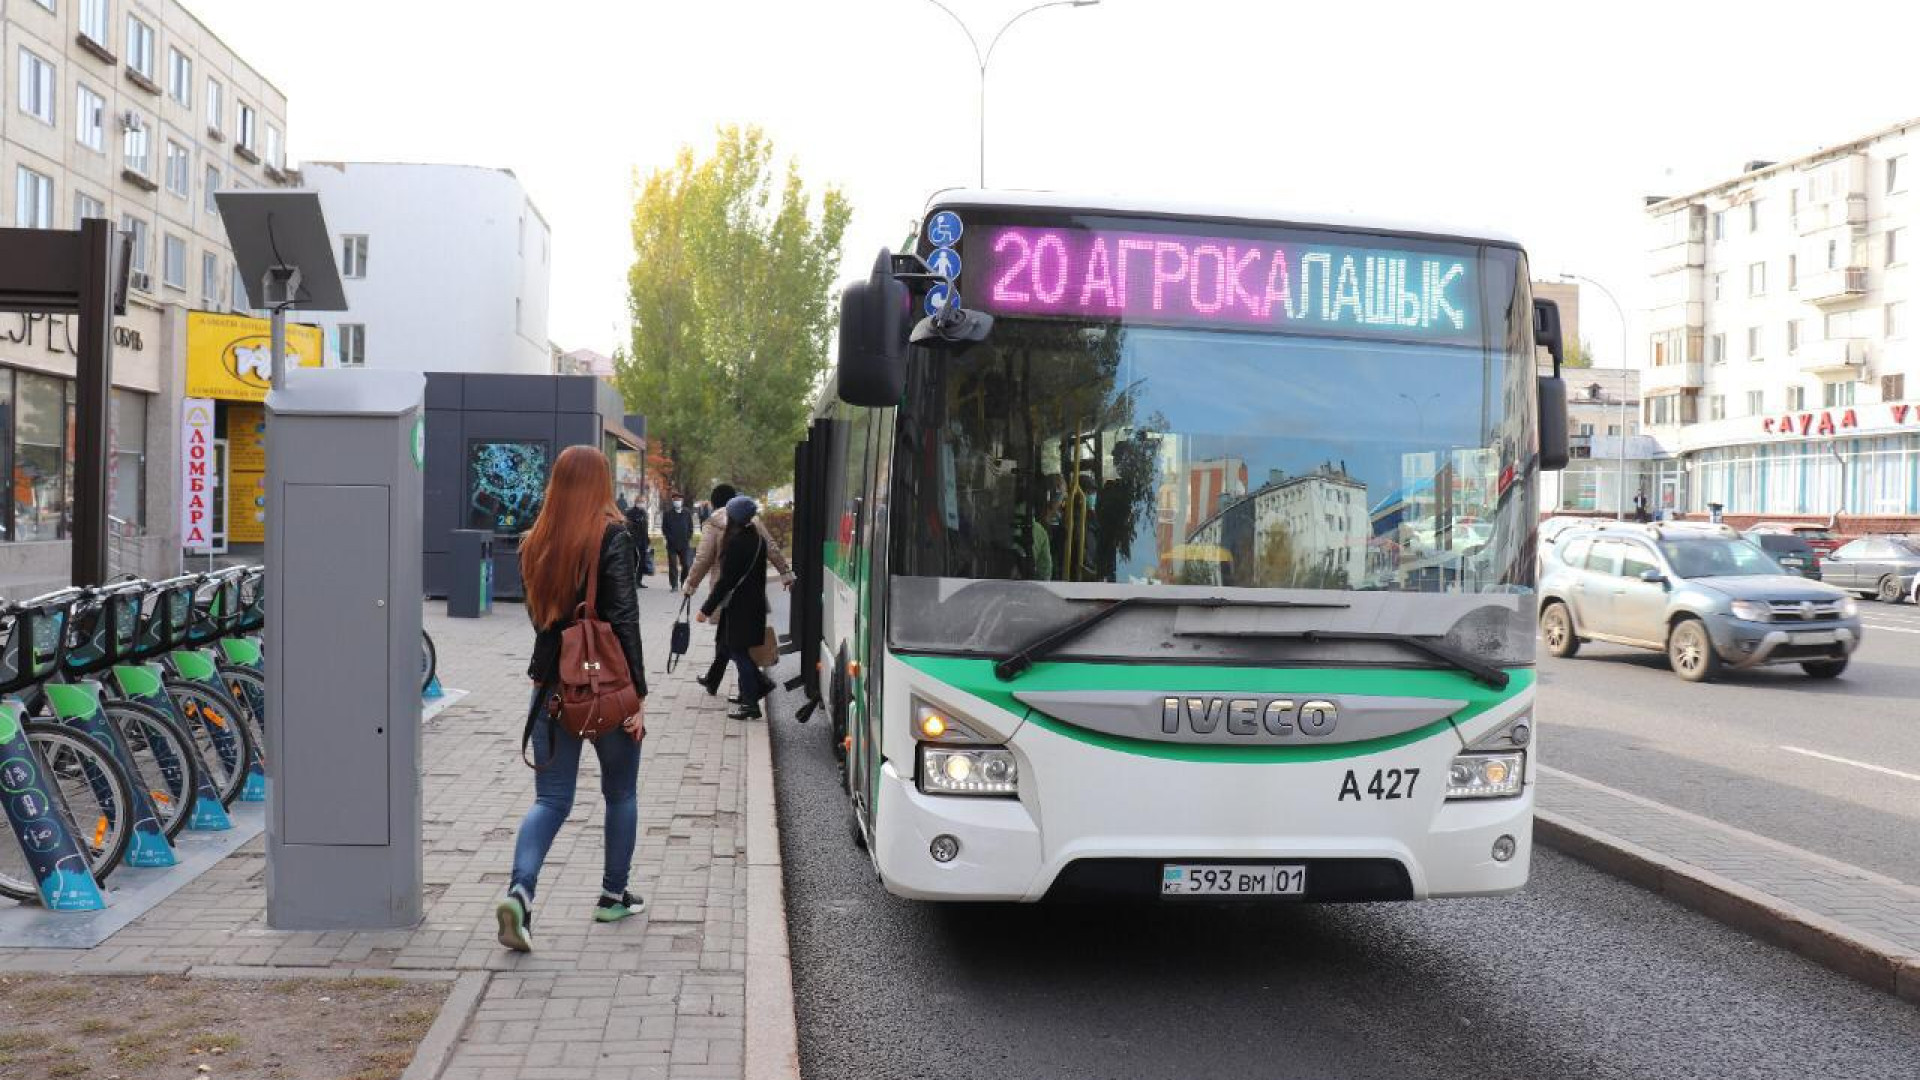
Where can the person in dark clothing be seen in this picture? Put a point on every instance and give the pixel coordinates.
(739, 598)
(676, 528)
(636, 516)
(579, 532)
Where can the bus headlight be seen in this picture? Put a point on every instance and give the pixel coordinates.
(1486, 776)
(968, 770)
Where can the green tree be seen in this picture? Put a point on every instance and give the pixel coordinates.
(1578, 355)
(732, 311)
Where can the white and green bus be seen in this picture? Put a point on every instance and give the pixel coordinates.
(1181, 552)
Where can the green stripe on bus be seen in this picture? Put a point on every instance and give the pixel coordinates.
(975, 676)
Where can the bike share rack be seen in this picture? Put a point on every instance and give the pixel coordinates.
(37, 818)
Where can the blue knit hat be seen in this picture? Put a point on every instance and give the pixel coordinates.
(740, 510)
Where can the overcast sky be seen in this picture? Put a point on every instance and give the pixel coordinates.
(1548, 121)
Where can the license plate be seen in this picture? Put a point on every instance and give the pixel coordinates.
(1198, 879)
(1815, 637)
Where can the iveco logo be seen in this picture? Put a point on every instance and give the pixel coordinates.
(1249, 716)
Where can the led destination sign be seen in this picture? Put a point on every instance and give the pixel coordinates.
(1289, 283)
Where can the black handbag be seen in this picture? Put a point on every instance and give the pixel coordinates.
(682, 638)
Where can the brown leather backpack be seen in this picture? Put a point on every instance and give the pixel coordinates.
(596, 693)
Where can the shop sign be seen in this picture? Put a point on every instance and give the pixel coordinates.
(1835, 421)
(247, 437)
(230, 357)
(196, 473)
(58, 335)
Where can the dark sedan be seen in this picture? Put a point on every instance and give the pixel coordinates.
(1794, 553)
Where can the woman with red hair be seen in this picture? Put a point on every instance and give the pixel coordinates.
(579, 532)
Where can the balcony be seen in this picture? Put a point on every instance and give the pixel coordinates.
(1838, 359)
(1835, 286)
(1691, 376)
(1848, 210)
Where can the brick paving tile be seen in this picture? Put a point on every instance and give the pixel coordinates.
(657, 996)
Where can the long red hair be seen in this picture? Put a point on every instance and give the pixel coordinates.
(561, 549)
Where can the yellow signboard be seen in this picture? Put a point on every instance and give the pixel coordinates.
(229, 356)
(247, 437)
(246, 506)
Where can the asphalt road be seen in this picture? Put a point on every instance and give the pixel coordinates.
(1832, 767)
(1579, 975)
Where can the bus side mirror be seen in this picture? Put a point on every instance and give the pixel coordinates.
(1546, 332)
(1553, 423)
(872, 368)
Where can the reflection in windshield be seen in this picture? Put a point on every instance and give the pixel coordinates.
(1695, 557)
(1166, 456)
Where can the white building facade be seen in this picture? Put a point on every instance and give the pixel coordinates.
(446, 268)
(1784, 356)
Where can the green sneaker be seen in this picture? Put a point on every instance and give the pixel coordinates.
(516, 923)
(613, 909)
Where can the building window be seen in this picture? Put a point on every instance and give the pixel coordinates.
(1793, 272)
(1753, 343)
(90, 119)
(213, 185)
(1836, 394)
(1717, 348)
(179, 77)
(86, 206)
(1753, 216)
(1893, 387)
(39, 457)
(1756, 402)
(1793, 336)
(93, 21)
(237, 300)
(127, 446)
(36, 87)
(142, 250)
(353, 344)
(179, 169)
(209, 281)
(244, 136)
(1719, 224)
(138, 145)
(1895, 252)
(273, 148)
(1719, 286)
(1833, 254)
(1895, 182)
(1796, 398)
(174, 262)
(353, 256)
(1897, 319)
(1757, 279)
(140, 47)
(1717, 407)
(32, 200)
(216, 109)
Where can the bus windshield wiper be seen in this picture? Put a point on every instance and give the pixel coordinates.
(1430, 644)
(1054, 640)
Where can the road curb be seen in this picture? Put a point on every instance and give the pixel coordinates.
(430, 1058)
(773, 1045)
(1875, 961)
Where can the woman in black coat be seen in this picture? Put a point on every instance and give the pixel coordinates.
(739, 597)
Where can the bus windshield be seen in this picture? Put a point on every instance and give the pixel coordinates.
(1147, 452)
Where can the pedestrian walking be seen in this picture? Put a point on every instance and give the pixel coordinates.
(636, 516)
(738, 601)
(578, 562)
(703, 561)
(676, 529)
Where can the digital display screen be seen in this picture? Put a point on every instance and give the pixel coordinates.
(1286, 281)
(506, 482)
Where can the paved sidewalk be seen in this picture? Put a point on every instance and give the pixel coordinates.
(661, 995)
(1859, 922)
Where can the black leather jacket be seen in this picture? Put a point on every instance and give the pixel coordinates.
(616, 602)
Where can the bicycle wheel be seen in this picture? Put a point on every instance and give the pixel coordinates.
(429, 661)
(165, 757)
(226, 750)
(249, 693)
(90, 791)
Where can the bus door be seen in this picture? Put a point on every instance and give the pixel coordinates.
(864, 765)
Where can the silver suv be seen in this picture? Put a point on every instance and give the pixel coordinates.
(1702, 593)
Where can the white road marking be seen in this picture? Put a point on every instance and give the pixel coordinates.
(1891, 629)
(1850, 761)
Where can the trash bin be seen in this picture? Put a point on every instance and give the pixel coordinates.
(470, 592)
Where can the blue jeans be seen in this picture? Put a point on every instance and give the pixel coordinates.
(558, 775)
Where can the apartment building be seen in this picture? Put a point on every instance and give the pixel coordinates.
(1783, 363)
(446, 268)
(132, 111)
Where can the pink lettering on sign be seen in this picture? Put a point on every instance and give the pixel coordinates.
(1227, 281)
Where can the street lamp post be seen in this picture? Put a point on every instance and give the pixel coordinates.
(1620, 506)
(982, 59)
